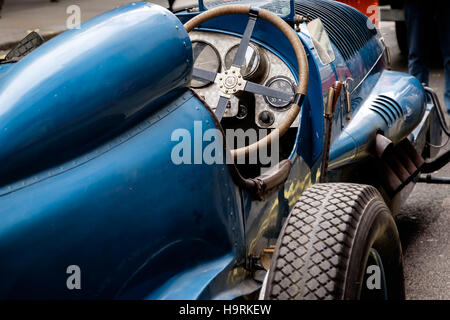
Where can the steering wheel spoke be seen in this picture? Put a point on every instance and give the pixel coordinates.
(202, 74)
(238, 60)
(266, 91)
(221, 107)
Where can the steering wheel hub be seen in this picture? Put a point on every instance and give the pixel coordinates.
(230, 81)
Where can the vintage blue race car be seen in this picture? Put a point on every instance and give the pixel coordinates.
(126, 151)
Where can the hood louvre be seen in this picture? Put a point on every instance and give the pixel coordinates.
(387, 108)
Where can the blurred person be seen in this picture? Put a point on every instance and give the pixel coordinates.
(419, 16)
(171, 2)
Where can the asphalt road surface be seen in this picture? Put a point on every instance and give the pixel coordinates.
(424, 221)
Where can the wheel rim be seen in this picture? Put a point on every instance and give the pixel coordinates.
(368, 292)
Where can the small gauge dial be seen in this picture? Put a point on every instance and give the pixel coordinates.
(207, 58)
(283, 84)
(251, 63)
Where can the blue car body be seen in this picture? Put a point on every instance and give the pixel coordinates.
(87, 178)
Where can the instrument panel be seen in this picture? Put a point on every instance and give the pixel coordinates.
(215, 52)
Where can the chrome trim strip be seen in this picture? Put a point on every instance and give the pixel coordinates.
(368, 73)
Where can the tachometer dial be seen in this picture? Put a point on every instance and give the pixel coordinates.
(283, 84)
(254, 63)
(207, 58)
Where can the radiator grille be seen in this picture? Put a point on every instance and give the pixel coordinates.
(346, 27)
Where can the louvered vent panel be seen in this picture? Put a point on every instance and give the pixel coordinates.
(387, 108)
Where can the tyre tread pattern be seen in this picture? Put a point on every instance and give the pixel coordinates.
(312, 254)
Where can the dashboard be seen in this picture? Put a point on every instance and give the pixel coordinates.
(215, 52)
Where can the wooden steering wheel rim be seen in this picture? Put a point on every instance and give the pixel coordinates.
(297, 46)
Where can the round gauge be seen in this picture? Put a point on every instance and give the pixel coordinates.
(251, 63)
(283, 84)
(207, 58)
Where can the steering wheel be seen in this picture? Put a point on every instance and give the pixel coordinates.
(231, 81)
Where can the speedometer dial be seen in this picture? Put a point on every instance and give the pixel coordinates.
(252, 60)
(207, 58)
(283, 84)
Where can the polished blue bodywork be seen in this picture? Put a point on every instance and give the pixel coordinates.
(87, 177)
(79, 88)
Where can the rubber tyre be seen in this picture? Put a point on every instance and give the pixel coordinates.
(324, 246)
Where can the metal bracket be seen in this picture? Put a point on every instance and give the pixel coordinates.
(433, 180)
(253, 13)
(347, 95)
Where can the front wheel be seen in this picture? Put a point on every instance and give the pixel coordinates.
(339, 242)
